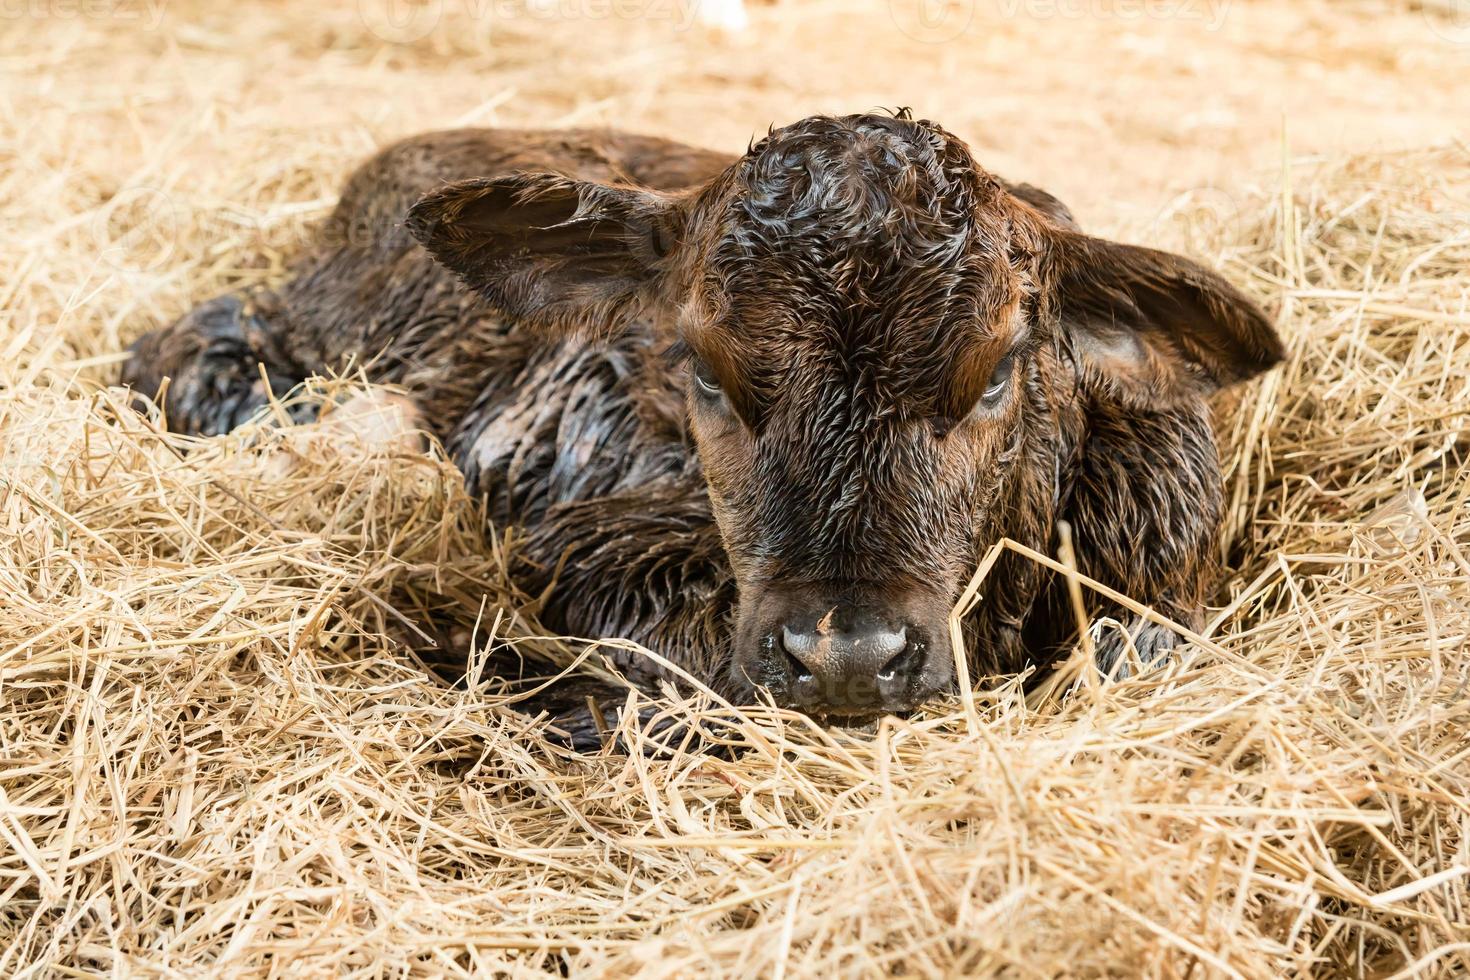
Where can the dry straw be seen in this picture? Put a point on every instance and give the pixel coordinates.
(215, 754)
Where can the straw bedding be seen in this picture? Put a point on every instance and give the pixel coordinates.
(219, 753)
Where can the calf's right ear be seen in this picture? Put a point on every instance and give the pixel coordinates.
(559, 253)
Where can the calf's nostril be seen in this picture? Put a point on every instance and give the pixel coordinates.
(799, 648)
(890, 643)
(900, 664)
(889, 670)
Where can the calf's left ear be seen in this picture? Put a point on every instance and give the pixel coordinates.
(1149, 326)
(563, 254)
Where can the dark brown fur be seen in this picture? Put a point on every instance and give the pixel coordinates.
(745, 398)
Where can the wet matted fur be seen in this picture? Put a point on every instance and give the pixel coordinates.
(724, 394)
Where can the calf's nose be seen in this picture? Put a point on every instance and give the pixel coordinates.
(862, 663)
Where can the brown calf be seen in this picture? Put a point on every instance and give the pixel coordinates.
(769, 408)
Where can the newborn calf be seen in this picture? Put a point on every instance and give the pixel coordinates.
(765, 411)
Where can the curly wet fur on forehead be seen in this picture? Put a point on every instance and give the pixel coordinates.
(884, 187)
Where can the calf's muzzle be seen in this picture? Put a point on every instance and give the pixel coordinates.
(844, 657)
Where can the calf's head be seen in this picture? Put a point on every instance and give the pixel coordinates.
(874, 329)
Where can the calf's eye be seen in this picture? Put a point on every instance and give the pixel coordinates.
(705, 381)
(1000, 377)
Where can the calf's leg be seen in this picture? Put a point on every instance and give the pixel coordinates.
(212, 358)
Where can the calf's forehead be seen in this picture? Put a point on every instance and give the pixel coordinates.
(849, 249)
(779, 314)
(858, 261)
